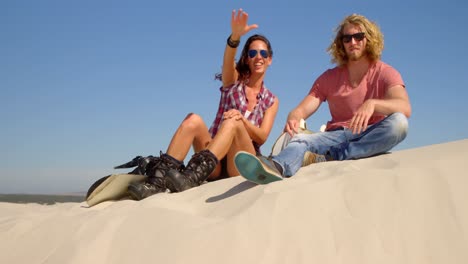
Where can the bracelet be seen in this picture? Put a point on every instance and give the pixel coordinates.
(232, 43)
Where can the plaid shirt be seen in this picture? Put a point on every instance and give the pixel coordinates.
(233, 97)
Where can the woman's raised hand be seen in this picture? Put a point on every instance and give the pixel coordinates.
(239, 24)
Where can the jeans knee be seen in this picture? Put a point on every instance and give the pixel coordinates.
(307, 141)
(298, 139)
(399, 125)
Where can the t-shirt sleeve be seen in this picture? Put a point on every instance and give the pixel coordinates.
(319, 88)
(391, 77)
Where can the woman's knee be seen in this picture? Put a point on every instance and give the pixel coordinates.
(232, 125)
(191, 121)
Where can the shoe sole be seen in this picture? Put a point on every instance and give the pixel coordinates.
(252, 169)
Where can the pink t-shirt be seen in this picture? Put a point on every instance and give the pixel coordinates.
(343, 100)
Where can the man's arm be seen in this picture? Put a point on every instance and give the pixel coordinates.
(306, 108)
(396, 100)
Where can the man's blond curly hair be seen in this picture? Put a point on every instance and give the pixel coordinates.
(375, 40)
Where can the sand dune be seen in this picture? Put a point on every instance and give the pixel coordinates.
(405, 207)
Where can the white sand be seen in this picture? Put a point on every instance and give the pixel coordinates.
(406, 207)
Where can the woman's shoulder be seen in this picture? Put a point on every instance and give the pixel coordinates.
(268, 96)
(234, 86)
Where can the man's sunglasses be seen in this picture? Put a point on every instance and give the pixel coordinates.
(253, 53)
(358, 37)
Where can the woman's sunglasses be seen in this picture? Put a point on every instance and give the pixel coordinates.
(358, 37)
(253, 53)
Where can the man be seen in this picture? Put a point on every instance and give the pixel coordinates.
(368, 103)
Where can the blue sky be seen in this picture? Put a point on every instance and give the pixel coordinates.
(87, 85)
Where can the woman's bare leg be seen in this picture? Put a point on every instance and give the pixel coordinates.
(191, 132)
(231, 138)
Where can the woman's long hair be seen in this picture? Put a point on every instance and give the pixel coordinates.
(242, 65)
(375, 39)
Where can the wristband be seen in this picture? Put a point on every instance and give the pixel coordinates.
(232, 43)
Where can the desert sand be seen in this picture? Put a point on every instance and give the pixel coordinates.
(410, 206)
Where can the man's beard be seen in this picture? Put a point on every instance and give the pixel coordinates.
(355, 56)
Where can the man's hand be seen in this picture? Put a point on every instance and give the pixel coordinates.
(361, 118)
(292, 127)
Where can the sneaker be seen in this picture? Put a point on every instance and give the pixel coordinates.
(260, 170)
(311, 158)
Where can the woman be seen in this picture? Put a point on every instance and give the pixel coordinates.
(246, 113)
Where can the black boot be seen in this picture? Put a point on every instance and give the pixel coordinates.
(139, 162)
(200, 166)
(154, 183)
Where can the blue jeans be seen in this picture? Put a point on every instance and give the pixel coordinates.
(342, 144)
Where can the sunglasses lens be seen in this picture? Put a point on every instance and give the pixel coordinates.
(358, 37)
(252, 53)
(346, 38)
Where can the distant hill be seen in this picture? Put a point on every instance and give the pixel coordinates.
(42, 198)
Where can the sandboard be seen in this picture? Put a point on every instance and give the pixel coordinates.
(283, 140)
(250, 167)
(110, 188)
